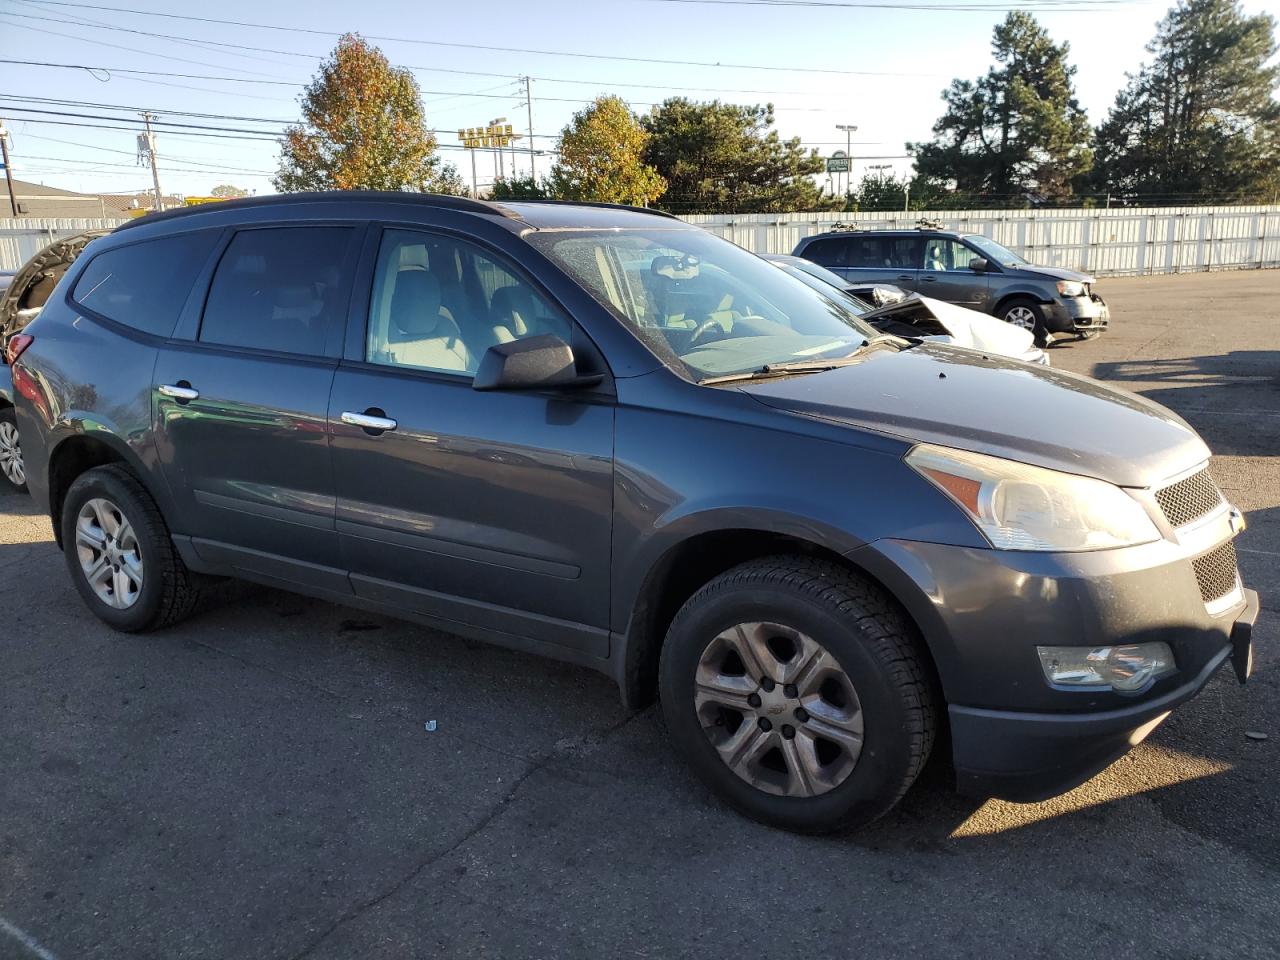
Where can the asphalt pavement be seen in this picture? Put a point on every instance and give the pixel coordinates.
(261, 782)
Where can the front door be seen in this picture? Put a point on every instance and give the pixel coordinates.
(945, 274)
(488, 509)
(241, 407)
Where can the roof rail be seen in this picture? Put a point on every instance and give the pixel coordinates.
(851, 227)
(926, 224)
(331, 196)
(597, 203)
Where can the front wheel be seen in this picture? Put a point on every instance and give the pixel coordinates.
(1029, 315)
(798, 693)
(11, 467)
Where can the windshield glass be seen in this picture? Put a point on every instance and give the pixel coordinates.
(822, 273)
(703, 304)
(995, 252)
(826, 288)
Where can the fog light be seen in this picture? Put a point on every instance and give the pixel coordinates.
(1124, 668)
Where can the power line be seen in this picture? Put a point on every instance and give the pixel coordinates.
(469, 46)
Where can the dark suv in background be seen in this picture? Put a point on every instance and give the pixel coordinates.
(967, 270)
(606, 436)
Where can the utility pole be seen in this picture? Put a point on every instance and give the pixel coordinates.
(528, 102)
(149, 147)
(8, 170)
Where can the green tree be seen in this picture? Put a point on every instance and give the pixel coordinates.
(521, 188)
(1201, 119)
(1018, 134)
(724, 158)
(879, 192)
(227, 192)
(362, 129)
(602, 157)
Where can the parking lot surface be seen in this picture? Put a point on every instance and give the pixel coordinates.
(260, 780)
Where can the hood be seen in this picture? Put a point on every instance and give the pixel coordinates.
(1056, 273)
(938, 394)
(968, 328)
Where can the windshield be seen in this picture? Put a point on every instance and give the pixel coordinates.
(703, 304)
(995, 252)
(825, 287)
(813, 270)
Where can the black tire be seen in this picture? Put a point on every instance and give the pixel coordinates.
(872, 644)
(1020, 306)
(9, 423)
(169, 590)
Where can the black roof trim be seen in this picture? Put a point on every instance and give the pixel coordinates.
(596, 203)
(465, 204)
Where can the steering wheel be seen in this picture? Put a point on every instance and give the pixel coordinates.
(704, 330)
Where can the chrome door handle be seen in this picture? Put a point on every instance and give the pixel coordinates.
(928, 279)
(368, 421)
(905, 277)
(179, 392)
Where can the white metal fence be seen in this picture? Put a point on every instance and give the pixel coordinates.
(21, 239)
(1102, 242)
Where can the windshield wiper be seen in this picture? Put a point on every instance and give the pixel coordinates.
(812, 365)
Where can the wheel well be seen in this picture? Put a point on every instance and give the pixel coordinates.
(1005, 301)
(683, 571)
(71, 458)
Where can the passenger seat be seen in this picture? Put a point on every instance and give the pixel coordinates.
(421, 332)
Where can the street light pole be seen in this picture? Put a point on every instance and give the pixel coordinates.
(849, 130)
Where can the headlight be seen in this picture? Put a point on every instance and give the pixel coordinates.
(1126, 668)
(1021, 507)
(1070, 288)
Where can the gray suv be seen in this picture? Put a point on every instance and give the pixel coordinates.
(967, 270)
(607, 436)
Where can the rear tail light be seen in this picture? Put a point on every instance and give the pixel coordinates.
(17, 343)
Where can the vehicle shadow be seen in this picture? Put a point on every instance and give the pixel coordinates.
(1232, 397)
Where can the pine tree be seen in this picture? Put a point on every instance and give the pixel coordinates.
(1017, 135)
(1200, 121)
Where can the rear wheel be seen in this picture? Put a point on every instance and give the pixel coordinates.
(11, 468)
(798, 693)
(120, 554)
(1026, 313)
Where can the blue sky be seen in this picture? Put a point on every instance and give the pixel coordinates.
(904, 58)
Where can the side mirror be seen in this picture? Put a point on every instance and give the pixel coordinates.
(979, 265)
(531, 363)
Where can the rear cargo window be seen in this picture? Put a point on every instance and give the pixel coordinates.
(144, 285)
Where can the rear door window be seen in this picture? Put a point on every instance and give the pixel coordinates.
(144, 285)
(280, 289)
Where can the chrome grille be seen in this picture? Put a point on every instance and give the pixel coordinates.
(1189, 498)
(1216, 572)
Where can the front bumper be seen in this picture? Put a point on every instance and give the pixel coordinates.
(1078, 315)
(1027, 757)
(984, 612)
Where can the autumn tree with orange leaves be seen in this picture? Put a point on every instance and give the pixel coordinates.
(362, 128)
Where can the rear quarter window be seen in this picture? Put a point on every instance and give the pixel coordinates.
(144, 285)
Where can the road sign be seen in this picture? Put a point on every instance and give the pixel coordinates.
(838, 162)
(487, 138)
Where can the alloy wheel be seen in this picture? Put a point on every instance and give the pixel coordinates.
(11, 455)
(110, 557)
(779, 709)
(1021, 317)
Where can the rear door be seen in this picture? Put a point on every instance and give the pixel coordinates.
(241, 402)
(945, 274)
(493, 509)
